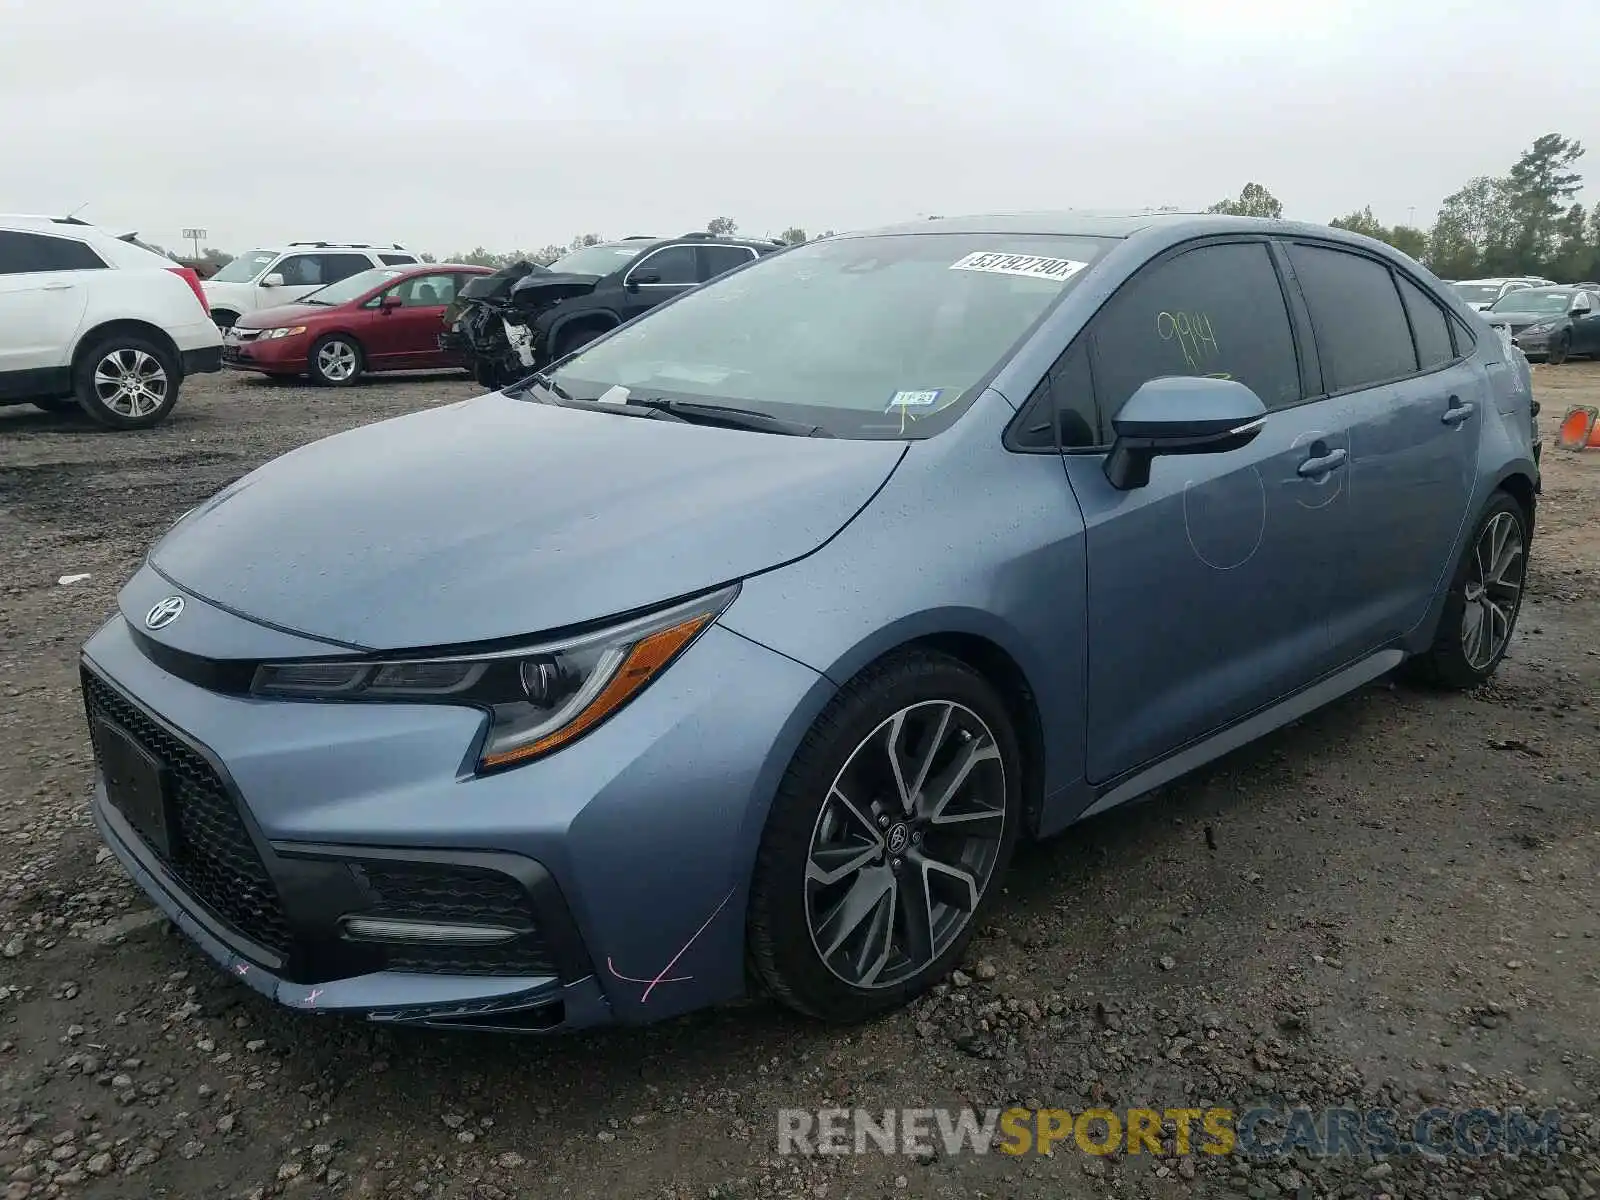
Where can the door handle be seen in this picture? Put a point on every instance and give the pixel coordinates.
(1457, 411)
(1315, 468)
(56, 287)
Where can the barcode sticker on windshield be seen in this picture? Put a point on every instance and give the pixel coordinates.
(921, 399)
(1032, 265)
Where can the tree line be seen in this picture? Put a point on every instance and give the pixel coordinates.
(1525, 222)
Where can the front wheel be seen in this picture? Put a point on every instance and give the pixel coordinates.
(887, 837)
(574, 340)
(1485, 597)
(223, 319)
(335, 361)
(1559, 349)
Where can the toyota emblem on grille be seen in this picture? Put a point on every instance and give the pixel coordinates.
(164, 613)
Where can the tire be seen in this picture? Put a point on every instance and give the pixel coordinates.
(1456, 660)
(575, 339)
(798, 947)
(223, 318)
(126, 381)
(336, 360)
(57, 404)
(1559, 349)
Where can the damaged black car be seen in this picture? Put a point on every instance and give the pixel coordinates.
(525, 316)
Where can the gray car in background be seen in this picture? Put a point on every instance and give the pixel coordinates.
(739, 650)
(1550, 323)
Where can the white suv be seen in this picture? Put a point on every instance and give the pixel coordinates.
(268, 278)
(99, 321)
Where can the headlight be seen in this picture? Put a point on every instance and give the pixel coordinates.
(285, 331)
(539, 697)
(1541, 327)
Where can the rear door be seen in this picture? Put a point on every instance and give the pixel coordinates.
(1414, 401)
(44, 283)
(1205, 587)
(714, 260)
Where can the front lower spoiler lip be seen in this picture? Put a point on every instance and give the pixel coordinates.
(528, 1004)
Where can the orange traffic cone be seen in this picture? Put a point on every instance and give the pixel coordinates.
(1580, 428)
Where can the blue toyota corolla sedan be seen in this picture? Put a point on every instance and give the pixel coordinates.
(736, 652)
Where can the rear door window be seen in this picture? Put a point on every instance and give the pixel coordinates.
(1217, 310)
(1360, 325)
(341, 266)
(23, 253)
(724, 258)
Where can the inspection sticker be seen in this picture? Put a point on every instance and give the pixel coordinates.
(1032, 265)
(923, 399)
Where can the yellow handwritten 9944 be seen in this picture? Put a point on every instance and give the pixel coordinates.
(1193, 333)
(1101, 1131)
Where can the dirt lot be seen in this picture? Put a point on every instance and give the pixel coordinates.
(1391, 903)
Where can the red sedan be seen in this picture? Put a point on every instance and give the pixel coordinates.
(385, 319)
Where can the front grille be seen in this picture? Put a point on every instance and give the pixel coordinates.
(433, 891)
(212, 854)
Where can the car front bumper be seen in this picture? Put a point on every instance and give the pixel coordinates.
(279, 356)
(621, 861)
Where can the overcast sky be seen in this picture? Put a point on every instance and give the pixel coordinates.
(514, 123)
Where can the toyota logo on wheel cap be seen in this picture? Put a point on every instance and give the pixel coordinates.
(163, 613)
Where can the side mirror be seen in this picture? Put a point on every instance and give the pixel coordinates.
(273, 280)
(639, 277)
(1180, 414)
(389, 303)
(1579, 308)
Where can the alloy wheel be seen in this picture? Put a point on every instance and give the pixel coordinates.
(905, 844)
(1493, 590)
(337, 361)
(131, 382)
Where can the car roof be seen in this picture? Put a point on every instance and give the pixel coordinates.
(1172, 226)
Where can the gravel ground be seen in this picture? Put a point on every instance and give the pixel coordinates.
(1391, 903)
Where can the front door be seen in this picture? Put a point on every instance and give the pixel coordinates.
(659, 275)
(1586, 326)
(406, 337)
(1415, 404)
(1205, 587)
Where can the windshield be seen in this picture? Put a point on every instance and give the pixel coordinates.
(1535, 300)
(869, 337)
(245, 268)
(349, 288)
(599, 260)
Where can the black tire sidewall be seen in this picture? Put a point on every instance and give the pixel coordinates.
(1559, 352)
(89, 400)
(1446, 660)
(576, 339)
(315, 371)
(781, 950)
(217, 318)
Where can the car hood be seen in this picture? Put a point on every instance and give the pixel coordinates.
(546, 287)
(283, 314)
(498, 517)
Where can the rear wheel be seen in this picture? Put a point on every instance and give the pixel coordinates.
(125, 381)
(335, 361)
(887, 839)
(1485, 597)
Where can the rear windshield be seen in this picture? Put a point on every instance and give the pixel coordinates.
(877, 336)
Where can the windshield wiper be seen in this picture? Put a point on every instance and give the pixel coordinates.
(540, 379)
(309, 300)
(730, 418)
(555, 394)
